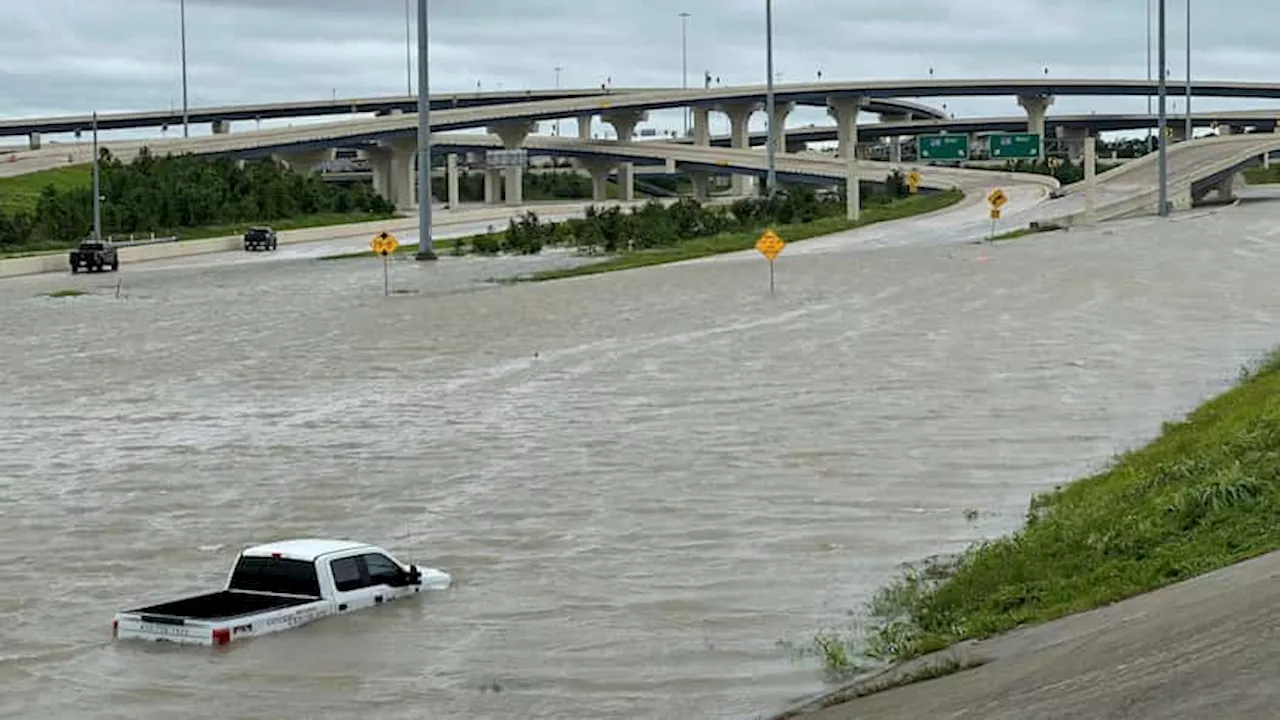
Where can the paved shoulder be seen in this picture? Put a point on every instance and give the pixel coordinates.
(1205, 648)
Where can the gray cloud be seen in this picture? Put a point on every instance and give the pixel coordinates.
(64, 56)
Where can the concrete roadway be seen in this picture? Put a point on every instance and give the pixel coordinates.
(1207, 648)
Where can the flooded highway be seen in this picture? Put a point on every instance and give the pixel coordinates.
(641, 482)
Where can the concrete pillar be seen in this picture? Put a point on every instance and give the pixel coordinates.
(1266, 160)
(702, 126)
(701, 186)
(1076, 139)
(1226, 187)
(584, 127)
(401, 178)
(221, 127)
(451, 175)
(895, 141)
(627, 182)
(380, 164)
(33, 141)
(845, 111)
(780, 113)
(740, 138)
(512, 135)
(599, 168)
(1037, 106)
(624, 122)
(492, 186)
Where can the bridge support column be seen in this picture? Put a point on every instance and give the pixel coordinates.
(221, 127)
(627, 182)
(1090, 178)
(599, 168)
(451, 181)
(1266, 160)
(701, 186)
(584, 127)
(1076, 139)
(702, 126)
(624, 122)
(1226, 188)
(895, 141)
(1037, 106)
(845, 110)
(512, 135)
(33, 141)
(740, 138)
(780, 113)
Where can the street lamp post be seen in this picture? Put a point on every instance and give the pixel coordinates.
(1149, 78)
(1188, 126)
(684, 63)
(1163, 122)
(408, 52)
(771, 177)
(97, 189)
(182, 22)
(558, 69)
(426, 251)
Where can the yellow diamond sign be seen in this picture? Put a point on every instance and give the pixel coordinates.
(770, 245)
(384, 244)
(997, 198)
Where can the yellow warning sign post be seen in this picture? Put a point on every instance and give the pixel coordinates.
(384, 244)
(770, 246)
(913, 182)
(996, 199)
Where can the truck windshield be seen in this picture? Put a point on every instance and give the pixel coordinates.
(276, 575)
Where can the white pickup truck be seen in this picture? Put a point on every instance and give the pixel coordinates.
(280, 586)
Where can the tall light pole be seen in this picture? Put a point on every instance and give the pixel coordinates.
(684, 63)
(97, 189)
(182, 22)
(558, 69)
(1163, 123)
(1149, 77)
(408, 52)
(1188, 128)
(426, 250)
(771, 178)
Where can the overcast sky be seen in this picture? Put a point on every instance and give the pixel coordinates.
(73, 56)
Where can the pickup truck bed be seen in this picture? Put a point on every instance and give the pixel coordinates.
(221, 605)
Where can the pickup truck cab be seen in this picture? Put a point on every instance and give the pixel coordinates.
(279, 586)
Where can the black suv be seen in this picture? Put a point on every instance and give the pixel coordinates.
(260, 238)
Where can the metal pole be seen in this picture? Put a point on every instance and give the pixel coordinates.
(182, 21)
(408, 52)
(1149, 148)
(1163, 122)
(1190, 133)
(97, 189)
(684, 63)
(771, 178)
(426, 249)
(558, 69)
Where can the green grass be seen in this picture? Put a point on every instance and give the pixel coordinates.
(21, 192)
(734, 242)
(1262, 176)
(201, 233)
(66, 293)
(1205, 494)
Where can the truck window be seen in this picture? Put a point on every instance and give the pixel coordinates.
(382, 569)
(346, 574)
(276, 575)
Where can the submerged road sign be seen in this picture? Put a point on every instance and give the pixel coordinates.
(770, 245)
(913, 181)
(943, 147)
(1015, 146)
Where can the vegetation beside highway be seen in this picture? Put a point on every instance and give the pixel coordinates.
(1205, 494)
(1262, 176)
(186, 196)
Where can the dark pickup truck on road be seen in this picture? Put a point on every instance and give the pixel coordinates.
(94, 256)
(260, 238)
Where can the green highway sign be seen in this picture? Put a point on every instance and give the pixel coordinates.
(1015, 146)
(943, 147)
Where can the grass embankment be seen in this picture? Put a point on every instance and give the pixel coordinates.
(21, 192)
(202, 233)
(1262, 176)
(1204, 495)
(737, 241)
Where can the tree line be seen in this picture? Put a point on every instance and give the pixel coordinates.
(168, 194)
(653, 225)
